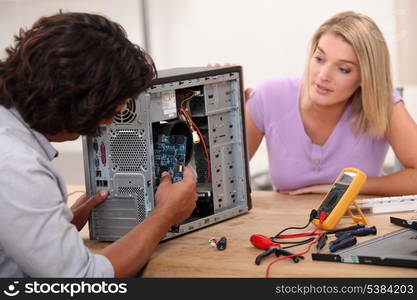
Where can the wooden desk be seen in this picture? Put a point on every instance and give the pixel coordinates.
(191, 256)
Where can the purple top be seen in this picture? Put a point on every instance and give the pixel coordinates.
(296, 162)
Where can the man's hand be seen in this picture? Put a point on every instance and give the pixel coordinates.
(83, 206)
(176, 201)
(314, 189)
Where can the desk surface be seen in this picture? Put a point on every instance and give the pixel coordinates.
(190, 255)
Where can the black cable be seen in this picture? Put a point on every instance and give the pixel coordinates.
(301, 243)
(313, 214)
(292, 242)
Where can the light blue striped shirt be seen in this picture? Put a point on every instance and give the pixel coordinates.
(36, 236)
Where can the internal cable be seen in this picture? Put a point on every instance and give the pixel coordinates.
(205, 150)
(197, 135)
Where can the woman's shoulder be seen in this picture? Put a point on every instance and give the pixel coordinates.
(273, 99)
(279, 93)
(280, 84)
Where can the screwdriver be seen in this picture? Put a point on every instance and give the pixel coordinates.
(359, 232)
(322, 242)
(350, 228)
(340, 238)
(345, 243)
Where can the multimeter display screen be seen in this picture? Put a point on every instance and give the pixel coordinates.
(337, 191)
(347, 178)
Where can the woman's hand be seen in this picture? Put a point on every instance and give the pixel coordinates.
(314, 189)
(248, 93)
(226, 64)
(83, 206)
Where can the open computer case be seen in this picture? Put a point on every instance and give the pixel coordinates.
(192, 116)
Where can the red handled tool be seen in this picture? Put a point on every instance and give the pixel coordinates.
(263, 242)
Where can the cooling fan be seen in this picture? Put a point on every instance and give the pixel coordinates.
(127, 114)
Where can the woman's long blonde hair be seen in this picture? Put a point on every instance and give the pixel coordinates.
(372, 101)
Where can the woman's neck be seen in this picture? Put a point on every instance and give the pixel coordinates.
(319, 121)
(329, 114)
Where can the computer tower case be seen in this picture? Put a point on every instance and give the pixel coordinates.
(126, 157)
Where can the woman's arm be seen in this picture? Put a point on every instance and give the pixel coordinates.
(253, 134)
(402, 135)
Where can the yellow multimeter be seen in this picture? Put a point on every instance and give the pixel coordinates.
(340, 197)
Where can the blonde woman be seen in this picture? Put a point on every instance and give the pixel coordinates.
(344, 112)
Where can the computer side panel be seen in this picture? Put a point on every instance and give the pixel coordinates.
(222, 175)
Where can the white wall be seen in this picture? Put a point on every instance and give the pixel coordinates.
(268, 37)
(406, 12)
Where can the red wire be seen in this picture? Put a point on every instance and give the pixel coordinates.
(323, 216)
(205, 150)
(290, 256)
(183, 106)
(204, 146)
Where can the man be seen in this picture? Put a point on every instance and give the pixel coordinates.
(64, 77)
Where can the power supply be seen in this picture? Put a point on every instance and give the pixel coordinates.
(189, 116)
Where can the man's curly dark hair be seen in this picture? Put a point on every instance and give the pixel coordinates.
(70, 71)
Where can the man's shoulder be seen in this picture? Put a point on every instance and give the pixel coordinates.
(17, 144)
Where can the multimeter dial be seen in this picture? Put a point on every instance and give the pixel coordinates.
(333, 197)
